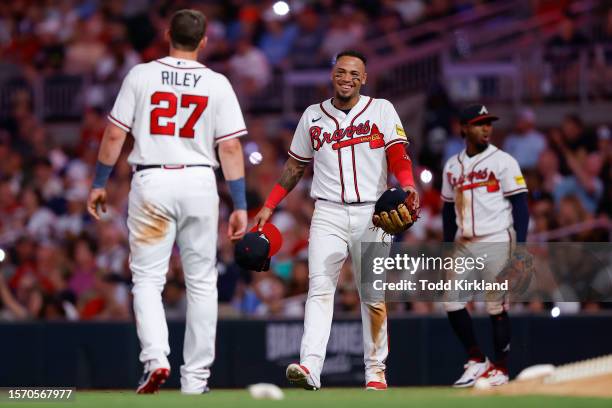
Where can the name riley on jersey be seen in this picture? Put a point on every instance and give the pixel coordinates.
(174, 78)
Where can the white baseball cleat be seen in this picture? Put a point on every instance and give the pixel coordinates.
(473, 371)
(494, 377)
(299, 375)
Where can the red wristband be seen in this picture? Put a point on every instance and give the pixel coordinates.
(405, 177)
(276, 196)
(400, 165)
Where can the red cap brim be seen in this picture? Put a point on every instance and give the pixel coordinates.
(483, 118)
(273, 235)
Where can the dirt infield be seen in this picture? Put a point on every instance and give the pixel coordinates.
(598, 386)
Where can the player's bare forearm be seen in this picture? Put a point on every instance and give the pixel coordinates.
(231, 158)
(292, 173)
(112, 143)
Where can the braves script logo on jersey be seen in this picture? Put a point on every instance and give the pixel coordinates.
(371, 135)
(480, 178)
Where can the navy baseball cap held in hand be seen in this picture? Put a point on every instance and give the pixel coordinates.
(254, 250)
(476, 114)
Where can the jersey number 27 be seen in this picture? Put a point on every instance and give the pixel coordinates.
(169, 112)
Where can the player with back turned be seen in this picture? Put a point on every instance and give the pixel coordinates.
(353, 140)
(177, 110)
(485, 201)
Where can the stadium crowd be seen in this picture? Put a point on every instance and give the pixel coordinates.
(60, 264)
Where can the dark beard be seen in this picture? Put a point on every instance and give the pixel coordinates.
(481, 147)
(342, 98)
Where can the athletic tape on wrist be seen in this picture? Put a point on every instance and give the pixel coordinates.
(101, 175)
(238, 191)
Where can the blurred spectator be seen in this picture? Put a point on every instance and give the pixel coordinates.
(112, 253)
(305, 52)
(584, 184)
(83, 277)
(344, 32)
(454, 143)
(385, 32)
(563, 53)
(270, 291)
(601, 76)
(411, 11)
(277, 39)
(86, 48)
(571, 212)
(38, 220)
(439, 114)
(71, 224)
(250, 71)
(573, 138)
(527, 143)
(45, 180)
(543, 215)
(11, 309)
(548, 170)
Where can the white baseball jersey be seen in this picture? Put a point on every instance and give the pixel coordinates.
(177, 110)
(350, 163)
(478, 186)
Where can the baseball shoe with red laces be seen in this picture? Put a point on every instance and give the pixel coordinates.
(494, 377)
(152, 380)
(299, 375)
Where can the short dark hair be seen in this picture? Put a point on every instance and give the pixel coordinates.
(187, 28)
(352, 53)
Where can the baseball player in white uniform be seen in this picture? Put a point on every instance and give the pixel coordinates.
(352, 139)
(177, 110)
(485, 201)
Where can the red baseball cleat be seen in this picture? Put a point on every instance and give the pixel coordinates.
(376, 386)
(152, 380)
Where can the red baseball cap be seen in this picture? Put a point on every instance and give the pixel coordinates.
(273, 236)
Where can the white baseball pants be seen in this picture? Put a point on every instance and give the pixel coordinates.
(497, 255)
(337, 230)
(167, 205)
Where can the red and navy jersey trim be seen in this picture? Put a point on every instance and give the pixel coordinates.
(235, 134)
(395, 141)
(118, 122)
(173, 66)
(298, 157)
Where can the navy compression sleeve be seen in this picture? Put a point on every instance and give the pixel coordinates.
(449, 222)
(520, 214)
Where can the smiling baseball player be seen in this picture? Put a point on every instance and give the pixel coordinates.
(353, 140)
(485, 199)
(177, 110)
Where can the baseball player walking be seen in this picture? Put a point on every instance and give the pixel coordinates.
(177, 110)
(352, 139)
(485, 201)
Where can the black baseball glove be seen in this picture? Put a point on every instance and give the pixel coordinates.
(396, 210)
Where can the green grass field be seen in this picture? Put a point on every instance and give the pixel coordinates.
(334, 397)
